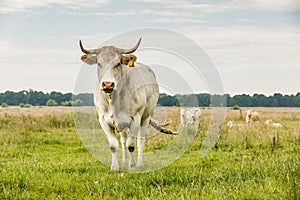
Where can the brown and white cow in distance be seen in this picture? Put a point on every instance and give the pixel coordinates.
(251, 116)
(125, 99)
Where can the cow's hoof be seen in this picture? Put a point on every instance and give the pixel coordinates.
(124, 165)
(114, 168)
(139, 164)
(132, 166)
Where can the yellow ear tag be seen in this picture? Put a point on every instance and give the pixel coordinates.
(130, 63)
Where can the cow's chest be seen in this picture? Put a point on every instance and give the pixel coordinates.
(109, 119)
(119, 121)
(115, 114)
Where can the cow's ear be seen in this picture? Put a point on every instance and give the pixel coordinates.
(89, 59)
(124, 60)
(128, 60)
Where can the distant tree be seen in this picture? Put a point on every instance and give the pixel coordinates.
(204, 99)
(32, 97)
(87, 98)
(259, 100)
(218, 100)
(78, 102)
(167, 100)
(243, 100)
(37, 97)
(13, 98)
(190, 100)
(51, 102)
(296, 100)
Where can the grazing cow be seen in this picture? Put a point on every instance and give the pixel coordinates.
(251, 117)
(269, 122)
(125, 99)
(277, 125)
(231, 124)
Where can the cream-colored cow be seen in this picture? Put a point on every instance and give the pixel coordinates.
(125, 98)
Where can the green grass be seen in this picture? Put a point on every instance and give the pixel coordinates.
(43, 158)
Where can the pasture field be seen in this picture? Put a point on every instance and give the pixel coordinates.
(42, 157)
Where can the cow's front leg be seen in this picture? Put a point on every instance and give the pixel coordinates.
(113, 143)
(124, 135)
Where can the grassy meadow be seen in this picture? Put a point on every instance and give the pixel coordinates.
(42, 157)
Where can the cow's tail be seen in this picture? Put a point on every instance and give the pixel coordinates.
(160, 128)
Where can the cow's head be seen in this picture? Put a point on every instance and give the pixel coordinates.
(109, 61)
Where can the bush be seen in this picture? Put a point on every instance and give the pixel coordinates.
(236, 107)
(51, 102)
(22, 105)
(66, 103)
(4, 105)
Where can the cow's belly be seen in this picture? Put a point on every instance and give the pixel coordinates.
(121, 121)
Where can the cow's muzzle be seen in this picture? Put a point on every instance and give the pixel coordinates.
(108, 87)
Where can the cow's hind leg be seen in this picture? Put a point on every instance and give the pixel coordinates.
(131, 140)
(130, 143)
(140, 144)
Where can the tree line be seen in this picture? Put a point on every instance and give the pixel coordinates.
(39, 98)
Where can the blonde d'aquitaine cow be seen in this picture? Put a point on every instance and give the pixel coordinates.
(251, 116)
(269, 122)
(232, 124)
(190, 116)
(125, 97)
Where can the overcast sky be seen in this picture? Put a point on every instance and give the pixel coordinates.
(254, 44)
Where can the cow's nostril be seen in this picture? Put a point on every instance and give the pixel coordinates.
(108, 86)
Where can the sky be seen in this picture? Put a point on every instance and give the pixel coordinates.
(253, 44)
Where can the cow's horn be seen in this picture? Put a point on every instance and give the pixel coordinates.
(127, 51)
(91, 51)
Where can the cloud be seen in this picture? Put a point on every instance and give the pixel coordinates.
(129, 12)
(249, 45)
(168, 13)
(220, 6)
(10, 6)
(178, 20)
(252, 59)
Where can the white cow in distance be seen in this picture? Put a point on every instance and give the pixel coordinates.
(231, 124)
(269, 122)
(190, 116)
